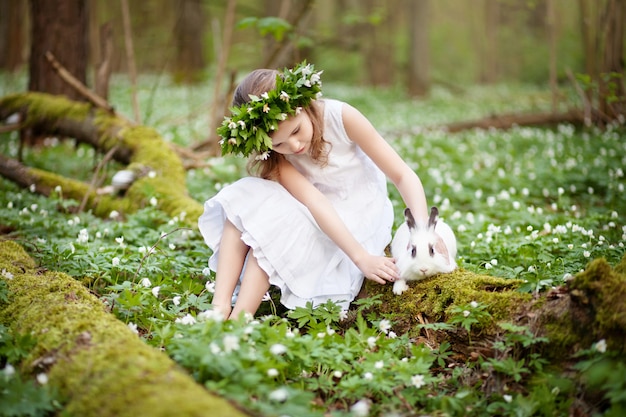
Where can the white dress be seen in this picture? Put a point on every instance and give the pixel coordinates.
(285, 239)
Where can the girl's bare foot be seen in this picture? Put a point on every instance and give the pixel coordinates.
(224, 309)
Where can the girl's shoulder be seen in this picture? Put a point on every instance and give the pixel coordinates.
(332, 111)
(331, 105)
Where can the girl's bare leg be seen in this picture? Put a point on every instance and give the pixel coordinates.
(254, 285)
(230, 263)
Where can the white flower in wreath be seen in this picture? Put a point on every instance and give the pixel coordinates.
(306, 71)
(315, 78)
(263, 156)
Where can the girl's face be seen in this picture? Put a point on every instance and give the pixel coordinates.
(294, 135)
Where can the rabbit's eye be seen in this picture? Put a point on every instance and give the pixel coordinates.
(413, 251)
(431, 250)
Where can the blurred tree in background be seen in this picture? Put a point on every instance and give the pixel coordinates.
(13, 36)
(189, 30)
(407, 43)
(59, 27)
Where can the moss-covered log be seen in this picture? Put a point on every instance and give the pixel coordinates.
(431, 300)
(591, 307)
(588, 308)
(140, 147)
(98, 364)
(434, 299)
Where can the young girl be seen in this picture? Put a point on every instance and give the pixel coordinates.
(317, 218)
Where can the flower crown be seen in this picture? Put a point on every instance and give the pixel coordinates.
(247, 129)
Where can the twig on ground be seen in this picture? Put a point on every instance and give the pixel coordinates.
(10, 127)
(96, 177)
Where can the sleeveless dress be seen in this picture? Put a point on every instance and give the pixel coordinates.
(288, 244)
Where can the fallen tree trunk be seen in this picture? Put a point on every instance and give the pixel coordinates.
(507, 121)
(100, 367)
(588, 308)
(564, 327)
(158, 169)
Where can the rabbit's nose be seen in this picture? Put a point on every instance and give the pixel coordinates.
(424, 270)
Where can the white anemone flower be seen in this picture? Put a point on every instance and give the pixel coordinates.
(384, 325)
(418, 381)
(278, 349)
(188, 319)
(361, 408)
(280, 395)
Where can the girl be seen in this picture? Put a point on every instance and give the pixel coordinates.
(317, 218)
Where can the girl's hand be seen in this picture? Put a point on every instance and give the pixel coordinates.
(379, 268)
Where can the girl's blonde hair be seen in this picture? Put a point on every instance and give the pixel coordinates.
(258, 82)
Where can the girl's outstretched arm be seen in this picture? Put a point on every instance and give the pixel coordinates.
(361, 131)
(376, 268)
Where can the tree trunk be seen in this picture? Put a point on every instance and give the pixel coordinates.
(419, 53)
(59, 27)
(602, 28)
(588, 308)
(588, 36)
(507, 121)
(281, 9)
(379, 59)
(489, 56)
(551, 29)
(12, 34)
(612, 90)
(189, 39)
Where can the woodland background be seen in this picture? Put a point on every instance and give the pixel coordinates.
(531, 324)
(413, 44)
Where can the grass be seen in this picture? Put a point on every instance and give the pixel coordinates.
(535, 204)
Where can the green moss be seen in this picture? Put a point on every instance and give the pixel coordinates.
(144, 150)
(592, 308)
(95, 361)
(435, 297)
(603, 291)
(44, 107)
(152, 151)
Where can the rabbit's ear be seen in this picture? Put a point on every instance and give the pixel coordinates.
(440, 247)
(408, 216)
(434, 216)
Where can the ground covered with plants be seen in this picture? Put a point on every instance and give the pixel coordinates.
(535, 205)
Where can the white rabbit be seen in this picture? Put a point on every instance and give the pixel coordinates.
(422, 251)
